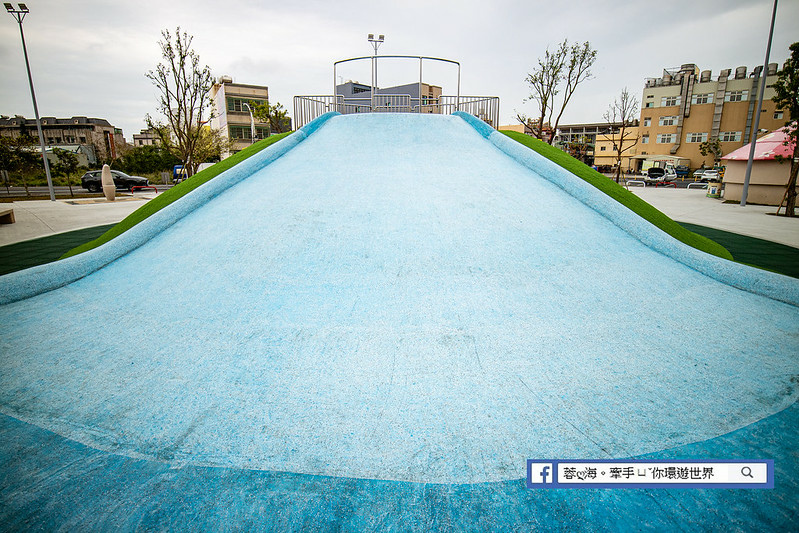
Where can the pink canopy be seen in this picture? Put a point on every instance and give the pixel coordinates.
(767, 147)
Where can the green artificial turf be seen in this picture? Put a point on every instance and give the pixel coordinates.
(620, 194)
(176, 192)
(753, 251)
(43, 250)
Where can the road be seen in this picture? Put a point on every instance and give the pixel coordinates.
(60, 192)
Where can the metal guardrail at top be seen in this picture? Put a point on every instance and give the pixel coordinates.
(307, 108)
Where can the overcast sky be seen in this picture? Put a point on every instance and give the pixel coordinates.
(89, 57)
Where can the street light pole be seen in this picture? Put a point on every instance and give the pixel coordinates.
(764, 74)
(19, 15)
(375, 44)
(252, 124)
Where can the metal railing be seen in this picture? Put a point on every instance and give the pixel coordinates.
(307, 108)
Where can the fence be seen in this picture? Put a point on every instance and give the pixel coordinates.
(307, 108)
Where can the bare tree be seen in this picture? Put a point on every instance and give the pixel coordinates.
(581, 58)
(621, 116)
(184, 99)
(560, 71)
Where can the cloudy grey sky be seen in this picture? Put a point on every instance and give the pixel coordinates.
(89, 57)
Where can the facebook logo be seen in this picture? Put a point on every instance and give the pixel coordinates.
(539, 474)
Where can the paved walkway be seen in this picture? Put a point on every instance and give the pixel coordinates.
(39, 218)
(692, 206)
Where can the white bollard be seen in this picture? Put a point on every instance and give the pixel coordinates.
(109, 189)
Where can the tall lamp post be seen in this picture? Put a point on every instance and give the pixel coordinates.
(252, 123)
(745, 191)
(19, 15)
(375, 44)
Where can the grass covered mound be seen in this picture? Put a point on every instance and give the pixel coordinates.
(176, 192)
(621, 195)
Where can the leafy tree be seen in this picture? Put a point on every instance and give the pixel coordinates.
(786, 97)
(274, 115)
(66, 165)
(560, 71)
(17, 155)
(184, 99)
(712, 148)
(620, 116)
(211, 145)
(148, 160)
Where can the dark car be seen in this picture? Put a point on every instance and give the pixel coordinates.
(682, 171)
(92, 180)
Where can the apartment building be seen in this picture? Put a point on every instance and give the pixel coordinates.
(102, 140)
(685, 107)
(146, 137)
(231, 115)
(605, 149)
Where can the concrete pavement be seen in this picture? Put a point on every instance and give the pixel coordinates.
(692, 206)
(40, 218)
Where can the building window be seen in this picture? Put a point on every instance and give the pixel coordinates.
(83, 140)
(730, 136)
(736, 96)
(645, 139)
(237, 104)
(702, 98)
(244, 132)
(696, 138)
(667, 121)
(649, 104)
(240, 132)
(666, 138)
(647, 121)
(667, 101)
(778, 115)
(601, 148)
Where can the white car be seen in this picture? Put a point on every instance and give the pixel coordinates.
(710, 175)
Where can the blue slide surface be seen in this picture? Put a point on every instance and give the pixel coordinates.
(397, 298)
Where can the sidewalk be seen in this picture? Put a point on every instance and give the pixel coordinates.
(692, 206)
(40, 218)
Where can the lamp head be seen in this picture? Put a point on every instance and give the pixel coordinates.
(23, 8)
(9, 7)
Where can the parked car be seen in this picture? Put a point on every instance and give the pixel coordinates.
(93, 182)
(660, 175)
(711, 175)
(698, 173)
(682, 171)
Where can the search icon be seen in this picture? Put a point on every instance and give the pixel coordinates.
(747, 472)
